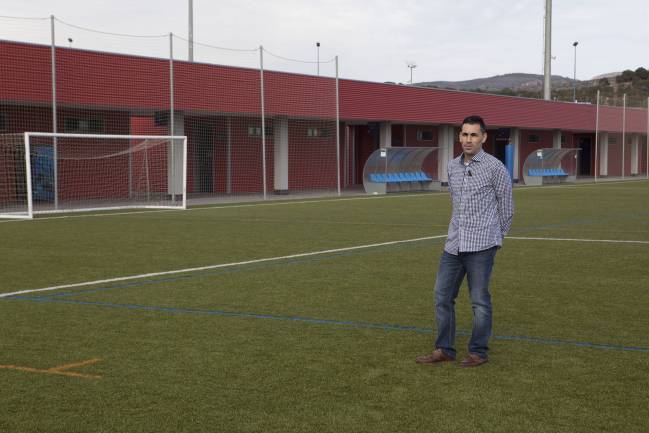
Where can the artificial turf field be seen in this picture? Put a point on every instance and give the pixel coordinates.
(324, 342)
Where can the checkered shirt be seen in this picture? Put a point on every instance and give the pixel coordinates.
(483, 207)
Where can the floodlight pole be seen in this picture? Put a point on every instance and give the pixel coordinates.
(411, 66)
(547, 69)
(317, 49)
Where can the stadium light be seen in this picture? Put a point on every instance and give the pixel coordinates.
(574, 76)
(70, 40)
(412, 66)
(317, 48)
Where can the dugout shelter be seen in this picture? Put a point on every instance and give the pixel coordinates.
(549, 166)
(400, 169)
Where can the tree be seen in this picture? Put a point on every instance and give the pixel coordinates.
(604, 82)
(642, 73)
(625, 77)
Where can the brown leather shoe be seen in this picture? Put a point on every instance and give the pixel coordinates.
(473, 360)
(437, 356)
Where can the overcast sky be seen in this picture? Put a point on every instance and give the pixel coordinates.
(447, 40)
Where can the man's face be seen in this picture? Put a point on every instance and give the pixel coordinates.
(472, 139)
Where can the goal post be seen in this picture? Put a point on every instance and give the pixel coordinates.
(44, 172)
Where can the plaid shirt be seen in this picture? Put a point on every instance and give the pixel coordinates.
(483, 207)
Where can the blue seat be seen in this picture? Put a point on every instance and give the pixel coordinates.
(405, 176)
(547, 172)
(393, 178)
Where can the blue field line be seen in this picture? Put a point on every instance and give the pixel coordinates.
(341, 323)
(240, 268)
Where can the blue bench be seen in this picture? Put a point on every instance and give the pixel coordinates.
(547, 172)
(417, 176)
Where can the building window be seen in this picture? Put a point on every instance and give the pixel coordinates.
(563, 140)
(318, 133)
(84, 125)
(533, 138)
(612, 140)
(255, 131)
(424, 135)
(3, 122)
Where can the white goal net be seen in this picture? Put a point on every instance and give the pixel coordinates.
(47, 172)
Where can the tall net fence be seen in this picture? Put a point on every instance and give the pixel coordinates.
(220, 109)
(610, 143)
(258, 124)
(303, 117)
(621, 147)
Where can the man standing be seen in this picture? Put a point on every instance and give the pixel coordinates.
(481, 195)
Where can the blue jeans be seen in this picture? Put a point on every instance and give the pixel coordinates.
(477, 267)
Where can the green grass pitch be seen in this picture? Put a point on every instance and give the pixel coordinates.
(325, 342)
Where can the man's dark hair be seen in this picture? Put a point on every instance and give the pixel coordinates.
(476, 120)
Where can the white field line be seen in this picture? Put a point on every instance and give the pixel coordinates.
(610, 241)
(222, 265)
(271, 259)
(257, 204)
(224, 206)
(580, 185)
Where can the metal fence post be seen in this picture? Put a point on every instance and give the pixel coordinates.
(337, 131)
(172, 123)
(263, 118)
(55, 153)
(623, 133)
(596, 136)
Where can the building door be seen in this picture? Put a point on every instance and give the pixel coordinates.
(499, 150)
(501, 140)
(204, 159)
(584, 156)
(367, 141)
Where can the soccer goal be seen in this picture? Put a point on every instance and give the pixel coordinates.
(49, 172)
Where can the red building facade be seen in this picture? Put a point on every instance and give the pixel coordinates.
(220, 110)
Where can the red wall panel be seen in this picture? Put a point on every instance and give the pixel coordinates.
(113, 80)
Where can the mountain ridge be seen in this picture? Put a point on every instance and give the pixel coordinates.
(513, 81)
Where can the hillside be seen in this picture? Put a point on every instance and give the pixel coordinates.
(612, 87)
(516, 81)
